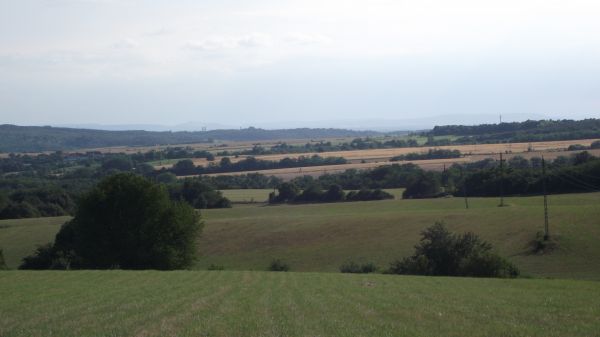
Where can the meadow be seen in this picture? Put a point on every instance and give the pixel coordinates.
(20, 237)
(231, 303)
(321, 237)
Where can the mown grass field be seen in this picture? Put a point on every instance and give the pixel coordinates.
(229, 303)
(320, 237)
(19, 237)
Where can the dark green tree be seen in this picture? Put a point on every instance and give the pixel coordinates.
(441, 253)
(334, 193)
(423, 185)
(119, 163)
(184, 167)
(128, 222)
(287, 192)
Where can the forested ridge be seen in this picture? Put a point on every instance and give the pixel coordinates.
(46, 138)
(527, 131)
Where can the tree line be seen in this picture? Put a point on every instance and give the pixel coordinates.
(431, 154)
(187, 167)
(367, 143)
(527, 131)
(290, 193)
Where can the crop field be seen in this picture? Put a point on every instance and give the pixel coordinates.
(321, 237)
(366, 159)
(427, 164)
(229, 303)
(216, 146)
(247, 195)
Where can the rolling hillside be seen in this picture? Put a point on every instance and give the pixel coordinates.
(320, 237)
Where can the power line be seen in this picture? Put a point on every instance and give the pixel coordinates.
(501, 181)
(546, 229)
(464, 180)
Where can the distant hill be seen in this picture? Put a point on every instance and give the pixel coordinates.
(527, 131)
(15, 138)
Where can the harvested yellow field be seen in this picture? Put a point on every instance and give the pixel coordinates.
(377, 155)
(431, 164)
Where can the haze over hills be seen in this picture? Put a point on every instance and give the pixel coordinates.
(374, 124)
(46, 138)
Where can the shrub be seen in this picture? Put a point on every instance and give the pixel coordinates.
(353, 267)
(44, 257)
(215, 267)
(367, 195)
(441, 253)
(278, 265)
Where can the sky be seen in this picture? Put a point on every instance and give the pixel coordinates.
(272, 62)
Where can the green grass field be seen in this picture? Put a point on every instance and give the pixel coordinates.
(320, 237)
(228, 303)
(247, 195)
(20, 237)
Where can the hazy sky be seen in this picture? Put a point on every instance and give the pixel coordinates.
(250, 62)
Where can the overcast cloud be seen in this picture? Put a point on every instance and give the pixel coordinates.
(256, 62)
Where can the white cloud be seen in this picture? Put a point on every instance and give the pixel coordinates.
(307, 39)
(220, 43)
(127, 43)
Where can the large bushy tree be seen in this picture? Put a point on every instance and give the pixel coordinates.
(441, 253)
(128, 222)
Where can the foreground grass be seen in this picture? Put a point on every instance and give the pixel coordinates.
(201, 303)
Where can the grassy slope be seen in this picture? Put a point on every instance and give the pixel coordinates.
(19, 238)
(320, 237)
(201, 303)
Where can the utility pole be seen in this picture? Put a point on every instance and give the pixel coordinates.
(501, 181)
(464, 179)
(546, 231)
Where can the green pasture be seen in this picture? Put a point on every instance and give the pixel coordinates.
(229, 303)
(321, 237)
